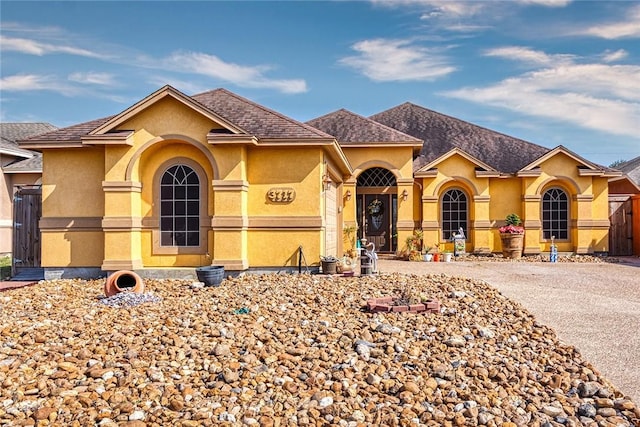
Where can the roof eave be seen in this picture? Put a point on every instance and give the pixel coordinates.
(44, 144)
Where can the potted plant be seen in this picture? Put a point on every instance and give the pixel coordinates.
(426, 253)
(436, 253)
(329, 264)
(512, 237)
(349, 234)
(414, 245)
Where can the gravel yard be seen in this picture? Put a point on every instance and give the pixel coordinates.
(293, 350)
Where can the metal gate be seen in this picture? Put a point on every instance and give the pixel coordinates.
(621, 230)
(27, 210)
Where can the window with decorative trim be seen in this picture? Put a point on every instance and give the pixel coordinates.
(377, 177)
(555, 214)
(180, 207)
(454, 212)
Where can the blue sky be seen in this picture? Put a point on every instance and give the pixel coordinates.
(552, 72)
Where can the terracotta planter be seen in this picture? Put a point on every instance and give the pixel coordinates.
(123, 280)
(512, 245)
(436, 257)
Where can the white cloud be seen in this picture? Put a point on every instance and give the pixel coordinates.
(33, 82)
(627, 28)
(609, 56)
(94, 78)
(593, 96)
(397, 60)
(529, 56)
(51, 40)
(33, 47)
(547, 3)
(26, 82)
(241, 75)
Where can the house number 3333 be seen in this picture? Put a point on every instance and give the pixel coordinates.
(281, 195)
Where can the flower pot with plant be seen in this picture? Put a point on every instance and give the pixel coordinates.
(414, 245)
(512, 237)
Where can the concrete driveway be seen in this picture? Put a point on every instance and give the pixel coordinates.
(593, 306)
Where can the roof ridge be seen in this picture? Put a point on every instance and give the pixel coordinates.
(465, 122)
(266, 109)
(382, 125)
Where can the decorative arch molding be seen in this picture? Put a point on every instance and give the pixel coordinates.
(170, 137)
(564, 182)
(377, 164)
(452, 181)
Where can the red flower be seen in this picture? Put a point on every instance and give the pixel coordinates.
(512, 229)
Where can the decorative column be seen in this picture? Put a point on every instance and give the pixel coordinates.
(229, 224)
(122, 225)
(532, 224)
(582, 224)
(480, 226)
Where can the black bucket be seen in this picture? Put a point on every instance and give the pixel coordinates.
(211, 275)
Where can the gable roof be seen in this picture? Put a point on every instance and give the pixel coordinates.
(631, 168)
(237, 114)
(442, 133)
(12, 132)
(585, 168)
(352, 129)
(426, 169)
(256, 119)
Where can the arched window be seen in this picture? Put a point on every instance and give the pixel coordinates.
(180, 207)
(454, 213)
(555, 214)
(377, 177)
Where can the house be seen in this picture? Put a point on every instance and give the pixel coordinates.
(214, 178)
(19, 168)
(624, 209)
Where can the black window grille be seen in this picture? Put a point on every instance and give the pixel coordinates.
(555, 214)
(454, 213)
(180, 207)
(376, 177)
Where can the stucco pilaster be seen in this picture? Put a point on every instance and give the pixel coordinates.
(430, 223)
(532, 224)
(122, 225)
(230, 224)
(480, 226)
(581, 225)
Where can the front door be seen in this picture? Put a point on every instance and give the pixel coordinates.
(376, 220)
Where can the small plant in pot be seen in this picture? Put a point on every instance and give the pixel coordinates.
(512, 237)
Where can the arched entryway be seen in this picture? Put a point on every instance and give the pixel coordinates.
(377, 208)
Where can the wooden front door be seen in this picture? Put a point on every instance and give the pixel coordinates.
(621, 229)
(27, 210)
(376, 220)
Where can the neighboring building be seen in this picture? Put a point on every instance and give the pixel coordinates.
(184, 181)
(20, 168)
(624, 209)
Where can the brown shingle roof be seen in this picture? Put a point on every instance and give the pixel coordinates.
(632, 169)
(256, 119)
(34, 164)
(12, 132)
(350, 128)
(441, 133)
(71, 133)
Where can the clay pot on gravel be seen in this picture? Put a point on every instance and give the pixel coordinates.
(123, 280)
